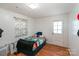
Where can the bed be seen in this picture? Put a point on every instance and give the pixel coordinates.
(31, 45)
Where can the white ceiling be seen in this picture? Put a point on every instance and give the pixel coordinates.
(45, 9)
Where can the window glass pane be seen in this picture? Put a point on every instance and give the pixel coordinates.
(55, 31)
(55, 27)
(59, 27)
(59, 31)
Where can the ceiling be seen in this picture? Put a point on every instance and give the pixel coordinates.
(44, 9)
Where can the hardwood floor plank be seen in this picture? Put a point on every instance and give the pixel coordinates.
(51, 50)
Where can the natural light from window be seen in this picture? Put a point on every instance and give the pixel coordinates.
(57, 27)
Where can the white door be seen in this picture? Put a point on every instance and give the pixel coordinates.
(59, 35)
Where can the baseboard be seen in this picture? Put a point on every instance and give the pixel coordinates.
(57, 45)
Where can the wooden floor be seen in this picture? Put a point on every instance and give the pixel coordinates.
(50, 50)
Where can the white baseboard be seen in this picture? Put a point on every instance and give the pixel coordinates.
(57, 44)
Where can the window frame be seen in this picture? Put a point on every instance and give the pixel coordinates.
(57, 29)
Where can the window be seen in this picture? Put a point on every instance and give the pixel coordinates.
(57, 27)
(20, 27)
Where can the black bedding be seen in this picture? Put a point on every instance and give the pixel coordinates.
(26, 46)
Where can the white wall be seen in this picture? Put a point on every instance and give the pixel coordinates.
(67, 39)
(45, 25)
(73, 38)
(7, 24)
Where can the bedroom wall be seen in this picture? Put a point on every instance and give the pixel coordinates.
(45, 25)
(73, 28)
(7, 24)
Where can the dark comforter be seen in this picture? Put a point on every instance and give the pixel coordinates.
(30, 45)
